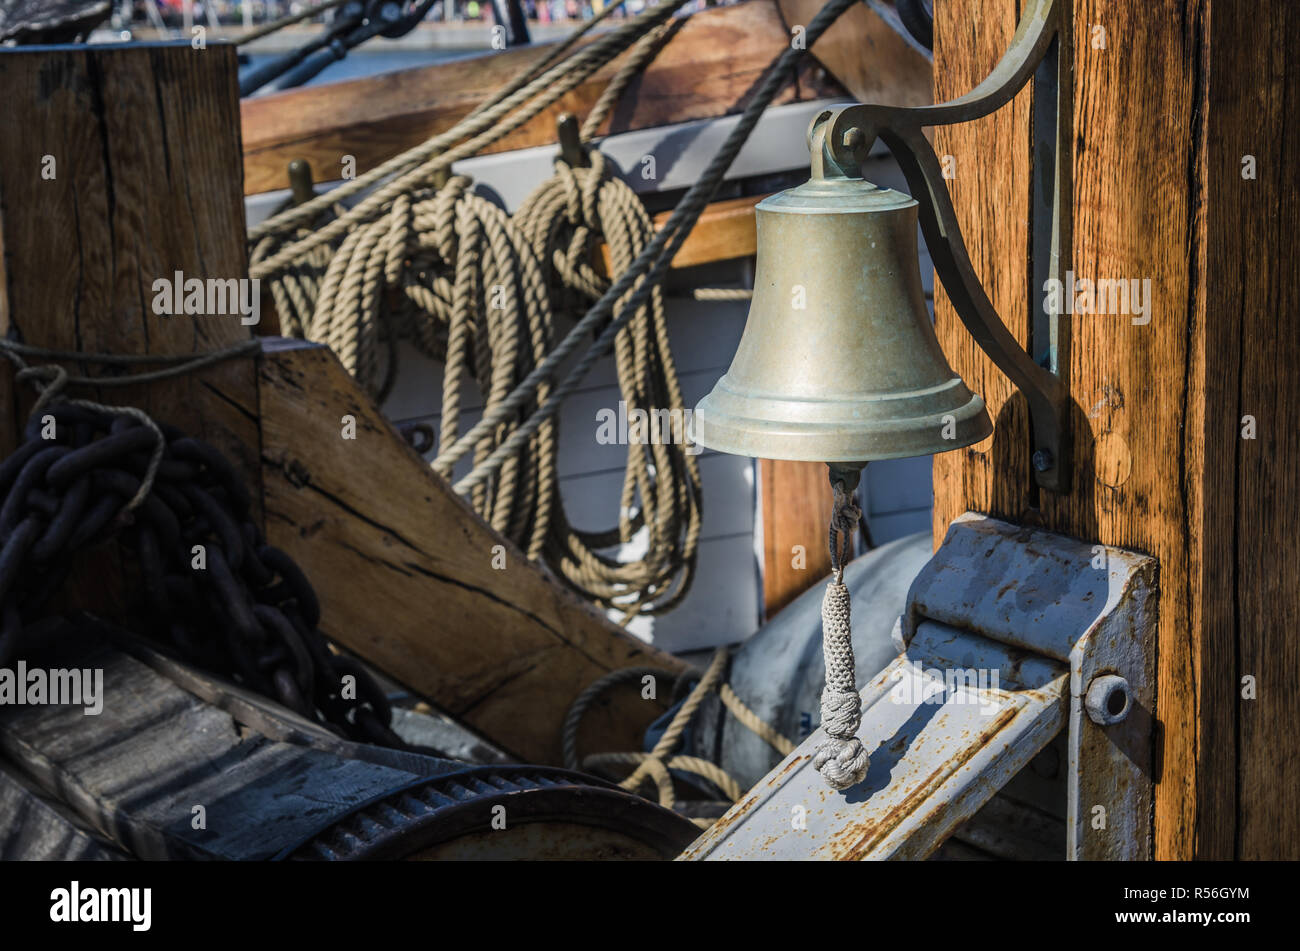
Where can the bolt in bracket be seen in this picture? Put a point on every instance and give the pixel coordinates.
(1009, 636)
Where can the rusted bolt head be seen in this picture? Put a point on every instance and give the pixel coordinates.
(1108, 700)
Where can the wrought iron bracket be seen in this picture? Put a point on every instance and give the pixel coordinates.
(847, 134)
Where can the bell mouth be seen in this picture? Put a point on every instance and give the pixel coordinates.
(840, 430)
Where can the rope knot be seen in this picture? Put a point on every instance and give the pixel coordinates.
(841, 758)
(842, 763)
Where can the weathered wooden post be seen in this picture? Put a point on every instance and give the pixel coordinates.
(121, 167)
(1184, 428)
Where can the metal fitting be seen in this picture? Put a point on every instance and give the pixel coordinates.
(1108, 700)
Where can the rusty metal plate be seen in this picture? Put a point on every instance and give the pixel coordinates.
(1010, 636)
(943, 738)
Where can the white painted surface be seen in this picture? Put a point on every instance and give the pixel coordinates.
(722, 606)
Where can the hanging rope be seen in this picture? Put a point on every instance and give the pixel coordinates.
(417, 167)
(465, 282)
(634, 284)
(841, 758)
(564, 220)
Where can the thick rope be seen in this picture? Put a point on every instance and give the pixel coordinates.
(379, 249)
(481, 291)
(840, 758)
(417, 167)
(451, 303)
(564, 220)
(756, 725)
(654, 766)
(50, 380)
(721, 293)
(635, 283)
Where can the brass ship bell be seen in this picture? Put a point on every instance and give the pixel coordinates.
(838, 362)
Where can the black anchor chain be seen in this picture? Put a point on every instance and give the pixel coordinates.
(208, 583)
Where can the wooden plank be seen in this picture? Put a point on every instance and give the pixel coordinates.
(1164, 112)
(1250, 574)
(796, 501)
(710, 67)
(1139, 438)
(866, 55)
(723, 232)
(405, 571)
(145, 147)
(992, 204)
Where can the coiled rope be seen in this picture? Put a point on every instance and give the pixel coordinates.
(424, 243)
(465, 282)
(653, 767)
(418, 167)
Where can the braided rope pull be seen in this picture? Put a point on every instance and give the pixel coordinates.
(841, 758)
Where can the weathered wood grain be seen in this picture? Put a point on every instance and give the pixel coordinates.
(120, 166)
(145, 149)
(405, 573)
(991, 197)
(1250, 574)
(1139, 175)
(710, 67)
(866, 55)
(796, 501)
(1166, 104)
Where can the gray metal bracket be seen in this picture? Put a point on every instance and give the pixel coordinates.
(1009, 636)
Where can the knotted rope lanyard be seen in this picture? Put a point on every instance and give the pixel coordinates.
(841, 758)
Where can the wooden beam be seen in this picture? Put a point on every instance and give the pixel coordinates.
(865, 55)
(118, 167)
(1248, 603)
(710, 67)
(411, 579)
(796, 500)
(1168, 103)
